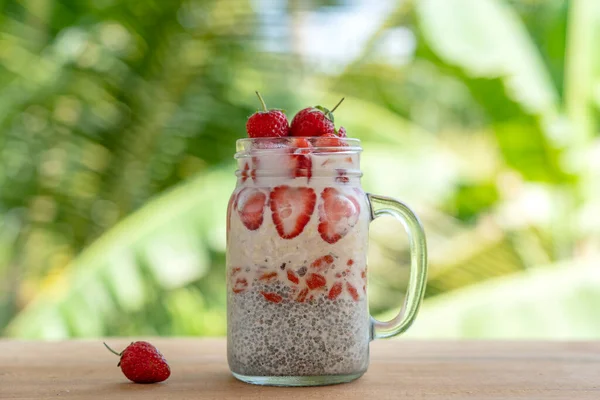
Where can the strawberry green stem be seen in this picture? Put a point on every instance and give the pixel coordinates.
(262, 101)
(337, 105)
(111, 350)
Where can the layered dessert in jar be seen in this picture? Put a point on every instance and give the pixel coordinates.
(296, 250)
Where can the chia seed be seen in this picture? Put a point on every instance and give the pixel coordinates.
(290, 338)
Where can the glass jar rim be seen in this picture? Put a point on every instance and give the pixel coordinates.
(314, 144)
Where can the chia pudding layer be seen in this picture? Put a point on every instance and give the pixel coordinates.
(320, 337)
(296, 266)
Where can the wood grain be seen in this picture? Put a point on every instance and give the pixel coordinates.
(399, 370)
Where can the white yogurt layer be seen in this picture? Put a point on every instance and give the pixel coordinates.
(252, 254)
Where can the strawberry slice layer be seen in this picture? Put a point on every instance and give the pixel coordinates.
(272, 297)
(240, 285)
(335, 291)
(322, 262)
(250, 204)
(353, 292)
(315, 281)
(291, 209)
(338, 213)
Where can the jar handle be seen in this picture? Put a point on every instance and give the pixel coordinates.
(380, 206)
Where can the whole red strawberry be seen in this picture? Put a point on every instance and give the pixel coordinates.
(141, 362)
(267, 123)
(313, 121)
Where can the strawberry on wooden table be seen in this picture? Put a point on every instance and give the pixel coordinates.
(141, 362)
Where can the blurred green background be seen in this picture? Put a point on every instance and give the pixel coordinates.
(118, 121)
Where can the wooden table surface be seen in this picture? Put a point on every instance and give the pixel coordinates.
(399, 370)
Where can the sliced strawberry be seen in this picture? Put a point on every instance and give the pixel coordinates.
(249, 170)
(302, 295)
(329, 140)
(254, 167)
(338, 213)
(240, 285)
(335, 291)
(292, 277)
(322, 262)
(250, 206)
(301, 143)
(272, 297)
(352, 290)
(291, 209)
(300, 161)
(315, 281)
(245, 172)
(268, 276)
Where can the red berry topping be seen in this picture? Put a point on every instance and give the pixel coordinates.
(313, 121)
(272, 297)
(291, 209)
(250, 206)
(141, 362)
(315, 281)
(335, 291)
(338, 213)
(267, 123)
(342, 132)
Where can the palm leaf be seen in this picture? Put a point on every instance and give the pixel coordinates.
(148, 274)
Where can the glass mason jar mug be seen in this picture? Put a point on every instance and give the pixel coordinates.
(297, 236)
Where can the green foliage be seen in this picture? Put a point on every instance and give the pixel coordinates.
(153, 273)
(118, 123)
